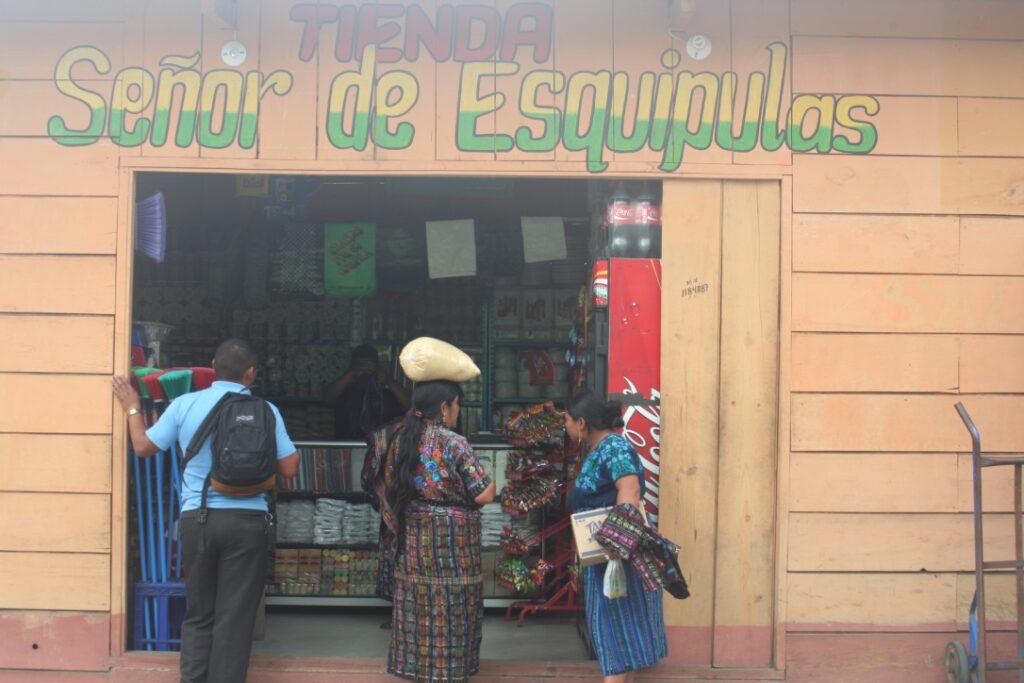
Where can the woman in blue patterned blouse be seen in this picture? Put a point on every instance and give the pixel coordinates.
(628, 633)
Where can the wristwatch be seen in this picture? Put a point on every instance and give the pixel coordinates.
(134, 411)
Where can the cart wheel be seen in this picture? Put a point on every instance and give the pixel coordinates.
(957, 667)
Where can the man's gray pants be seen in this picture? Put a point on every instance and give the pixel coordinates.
(225, 563)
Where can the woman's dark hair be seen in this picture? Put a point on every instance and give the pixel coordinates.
(599, 413)
(427, 399)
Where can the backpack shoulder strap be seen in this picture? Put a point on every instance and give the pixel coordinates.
(204, 431)
(271, 418)
(271, 425)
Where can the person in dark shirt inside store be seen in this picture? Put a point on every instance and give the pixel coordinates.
(365, 398)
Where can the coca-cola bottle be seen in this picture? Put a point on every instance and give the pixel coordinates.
(647, 217)
(620, 221)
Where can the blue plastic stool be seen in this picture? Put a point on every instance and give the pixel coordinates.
(167, 608)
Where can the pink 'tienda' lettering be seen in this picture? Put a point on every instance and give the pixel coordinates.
(465, 17)
(436, 37)
(465, 33)
(313, 17)
(376, 29)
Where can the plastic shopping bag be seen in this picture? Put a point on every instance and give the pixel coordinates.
(615, 580)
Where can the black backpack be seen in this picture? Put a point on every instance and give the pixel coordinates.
(244, 446)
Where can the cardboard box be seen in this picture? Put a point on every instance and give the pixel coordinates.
(537, 311)
(584, 526)
(286, 565)
(508, 307)
(565, 301)
(309, 566)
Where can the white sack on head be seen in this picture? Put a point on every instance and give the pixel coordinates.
(426, 359)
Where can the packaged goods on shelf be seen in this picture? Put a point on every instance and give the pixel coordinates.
(508, 313)
(305, 421)
(295, 521)
(360, 524)
(534, 494)
(538, 315)
(326, 469)
(525, 464)
(516, 543)
(348, 572)
(297, 261)
(338, 522)
(309, 566)
(327, 521)
(286, 565)
(541, 426)
(326, 572)
(495, 520)
(523, 576)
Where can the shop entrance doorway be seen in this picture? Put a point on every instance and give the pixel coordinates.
(309, 269)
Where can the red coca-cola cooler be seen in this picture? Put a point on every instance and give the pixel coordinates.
(626, 331)
(634, 359)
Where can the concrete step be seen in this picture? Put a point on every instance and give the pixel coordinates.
(304, 671)
(159, 668)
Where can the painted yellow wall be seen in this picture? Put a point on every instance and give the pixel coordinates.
(900, 283)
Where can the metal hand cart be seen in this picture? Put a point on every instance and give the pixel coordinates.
(969, 665)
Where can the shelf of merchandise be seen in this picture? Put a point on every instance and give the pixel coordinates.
(393, 348)
(326, 601)
(491, 342)
(524, 401)
(320, 443)
(312, 399)
(285, 545)
(486, 347)
(529, 343)
(313, 495)
(466, 345)
(355, 601)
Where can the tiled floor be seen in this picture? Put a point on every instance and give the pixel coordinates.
(359, 636)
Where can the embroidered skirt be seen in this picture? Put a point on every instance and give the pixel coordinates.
(437, 617)
(628, 633)
(385, 565)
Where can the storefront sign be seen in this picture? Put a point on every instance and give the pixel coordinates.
(597, 113)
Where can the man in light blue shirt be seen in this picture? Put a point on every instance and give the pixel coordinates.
(225, 557)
